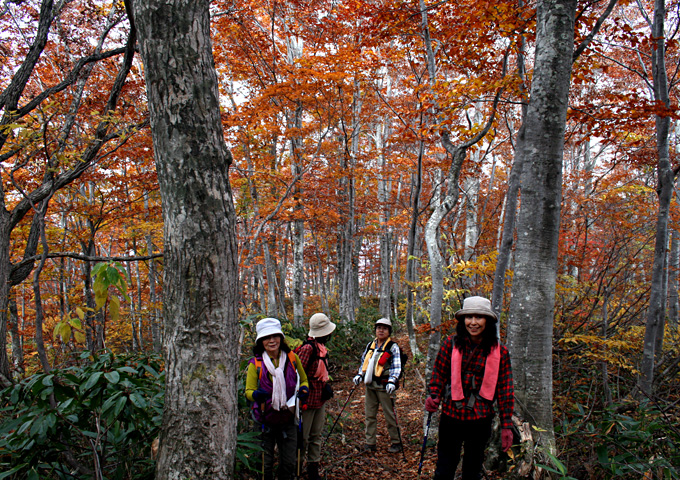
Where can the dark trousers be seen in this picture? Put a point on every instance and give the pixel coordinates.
(284, 438)
(455, 435)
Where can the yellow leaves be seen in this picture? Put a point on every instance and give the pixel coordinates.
(70, 326)
(614, 351)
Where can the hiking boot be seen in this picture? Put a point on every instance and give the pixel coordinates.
(368, 448)
(395, 448)
(313, 471)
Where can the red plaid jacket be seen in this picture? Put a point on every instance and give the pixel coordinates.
(473, 364)
(306, 354)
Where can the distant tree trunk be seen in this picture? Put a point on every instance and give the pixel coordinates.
(411, 262)
(511, 197)
(298, 228)
(201, 290)
(385, 229)
(17, 338)
(530, 325)
(656, 313)
(272, 287)
(674, 265)
(349, 300)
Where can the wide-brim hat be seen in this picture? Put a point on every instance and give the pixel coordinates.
(320, 325)
(268, 326)
(476, 306)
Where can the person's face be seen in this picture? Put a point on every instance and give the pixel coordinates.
(382, 332)
(475, 325)
(271, 344)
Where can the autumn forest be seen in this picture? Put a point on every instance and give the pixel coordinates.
(362, 158)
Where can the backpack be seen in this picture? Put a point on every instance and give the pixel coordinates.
(315, 354)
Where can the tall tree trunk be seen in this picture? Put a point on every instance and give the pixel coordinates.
(411, 261)
(201, 291)
(656, 313)
(530, 325)
(673, 266)
(511, 197)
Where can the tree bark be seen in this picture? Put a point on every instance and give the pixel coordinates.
(530, 325)
(198, 434)
(656, 313)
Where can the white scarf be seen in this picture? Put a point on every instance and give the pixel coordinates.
(278, 380)
(368, 378)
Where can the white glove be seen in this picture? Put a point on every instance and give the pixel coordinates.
(390, 388)
(358, 379)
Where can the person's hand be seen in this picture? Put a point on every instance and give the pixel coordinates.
(506, 439)
(390, 388)
(432, 403)
(303, 394)
(261, 396)
(358, 379)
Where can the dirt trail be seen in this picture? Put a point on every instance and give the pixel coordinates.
(342, 459)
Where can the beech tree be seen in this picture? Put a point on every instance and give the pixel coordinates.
(198, 434)
(530, 324)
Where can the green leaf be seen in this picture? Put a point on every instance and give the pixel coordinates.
(138, 401)
(113, 377)
(91, 382)
(11, 472)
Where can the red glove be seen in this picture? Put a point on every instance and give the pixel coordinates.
(431, 404)
(506, 439)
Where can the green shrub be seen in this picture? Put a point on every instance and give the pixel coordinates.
(97, 420)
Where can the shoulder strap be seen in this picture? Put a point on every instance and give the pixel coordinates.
(291, 359)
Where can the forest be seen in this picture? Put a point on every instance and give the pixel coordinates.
(173, 171)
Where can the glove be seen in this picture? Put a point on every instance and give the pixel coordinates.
(358, 379)
(432, 403)
(327, 392)
(506, 439)
(390, 388)
(261, 396)
(303, 394)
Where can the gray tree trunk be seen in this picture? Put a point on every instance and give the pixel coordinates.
(674, 265)
(656, 313)
(201, 291)
(530, 325)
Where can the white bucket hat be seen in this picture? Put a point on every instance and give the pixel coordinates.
(320, 325)
(476, 306)
(268, 326)
(384, 321)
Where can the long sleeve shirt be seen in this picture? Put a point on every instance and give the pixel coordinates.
(310, 361)
(252, 379)
(395, 362)
(473, 363)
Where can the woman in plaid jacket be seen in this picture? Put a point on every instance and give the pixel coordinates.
(471, 371)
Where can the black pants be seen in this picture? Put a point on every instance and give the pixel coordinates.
(453, 436)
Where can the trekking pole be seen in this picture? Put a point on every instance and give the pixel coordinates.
(299, 439)
(394, 409)
(262, 450)
(422, 450)
(339, 415)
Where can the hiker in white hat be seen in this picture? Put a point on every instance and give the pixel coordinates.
(275, 381)
(314, 357)
(476, 367)
(380, 370)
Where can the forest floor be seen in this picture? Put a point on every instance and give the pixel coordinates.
(342, 459)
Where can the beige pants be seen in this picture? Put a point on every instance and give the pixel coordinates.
(312, 431)
(376, 395)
